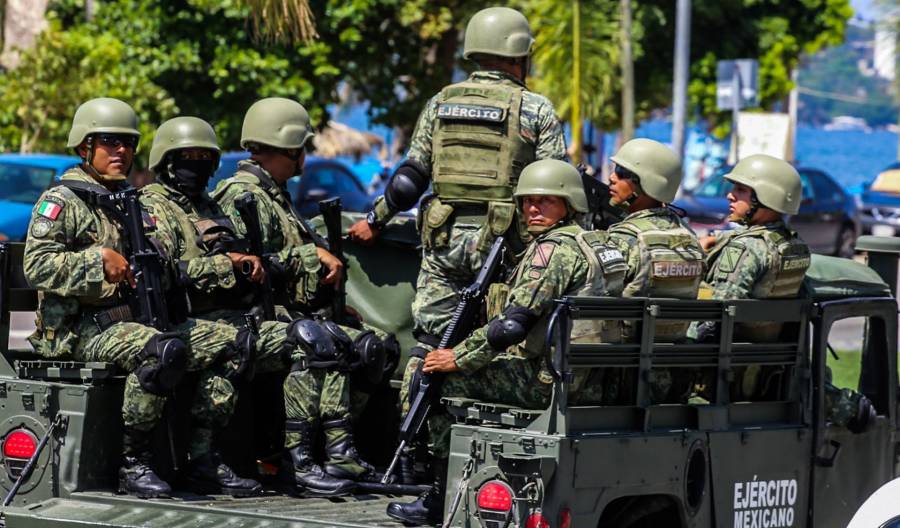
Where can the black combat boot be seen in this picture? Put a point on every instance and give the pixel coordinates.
(301, 473)
(208, 474)
(136, 477)
(344, 461)
(429, 507)
(406, 466)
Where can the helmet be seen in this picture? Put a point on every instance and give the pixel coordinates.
(276, 122)
(776, 182)
(551, 177)
(499, 31)
(181, 133)
(102, 115)
(655, 164)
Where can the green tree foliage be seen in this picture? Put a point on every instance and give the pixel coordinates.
(63, 70)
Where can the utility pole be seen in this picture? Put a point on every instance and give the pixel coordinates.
(793, 101)
(682, 67)
(576, 82)
(627, 74)
(89, 10)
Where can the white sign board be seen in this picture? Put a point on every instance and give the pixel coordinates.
(762, 133)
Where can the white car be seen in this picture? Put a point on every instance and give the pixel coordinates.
(881, 509)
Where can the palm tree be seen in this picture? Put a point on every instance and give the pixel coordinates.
(282, 21)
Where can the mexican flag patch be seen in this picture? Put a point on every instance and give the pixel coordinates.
(49, 209)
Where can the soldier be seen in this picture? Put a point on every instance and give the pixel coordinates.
(663, 254)
(767, 260)
(471, 141)
(503, 361)
(317, 390)
(74, 256)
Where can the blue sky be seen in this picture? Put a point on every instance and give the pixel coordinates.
(864, 8)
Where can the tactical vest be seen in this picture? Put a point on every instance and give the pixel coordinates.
(477, 149)
(199, 236)
(789, 258)
(606, 271)
(672, 266)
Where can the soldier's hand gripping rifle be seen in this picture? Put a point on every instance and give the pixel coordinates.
(461, 325)
(331, 215)
(247, 207)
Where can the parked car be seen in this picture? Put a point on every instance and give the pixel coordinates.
(23, 177)
(322, 178)
(880, 209)
(828, 219)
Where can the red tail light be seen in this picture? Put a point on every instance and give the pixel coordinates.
(536, 520)
(495, 495)
(19, 444)
(565, 518)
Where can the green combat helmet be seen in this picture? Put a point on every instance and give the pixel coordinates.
(552, 177)
(498, 31)
(775, 182)
(657, 166)
(181, 133)
(276, 122)
(103, 115)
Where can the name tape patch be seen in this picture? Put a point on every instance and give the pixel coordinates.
(470, 112)
(792, 264)
(677, 270)
(610, 255)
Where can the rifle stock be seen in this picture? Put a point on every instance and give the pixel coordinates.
(247, 207)
(331, 215)
(461, 325)
(597, 193)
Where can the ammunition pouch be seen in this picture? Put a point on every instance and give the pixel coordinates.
(316, 343)
(170, 353)
(500, 217)
(435, 223)
(107, 317)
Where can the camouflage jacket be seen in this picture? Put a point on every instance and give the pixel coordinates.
(538, 124)
(280, 231)
(553, 266)
(177, 219)
(63, 262)
(740, 259)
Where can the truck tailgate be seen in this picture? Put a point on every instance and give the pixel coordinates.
(270, 510)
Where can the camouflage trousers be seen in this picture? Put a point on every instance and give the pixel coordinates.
(214, 399)
(508, 379)
(444, 273)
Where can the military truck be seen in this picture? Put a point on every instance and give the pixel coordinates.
(718, 461)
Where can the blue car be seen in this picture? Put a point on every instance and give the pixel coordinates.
(880, 199)
(828, 220)
(322, 178)
(23, 177)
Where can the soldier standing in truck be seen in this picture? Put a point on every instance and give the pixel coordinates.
(470, 143)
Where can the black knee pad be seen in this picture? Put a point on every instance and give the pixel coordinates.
(315, 342)
(243, 352)
(163, 361)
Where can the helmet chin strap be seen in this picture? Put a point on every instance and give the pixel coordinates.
(754, 206)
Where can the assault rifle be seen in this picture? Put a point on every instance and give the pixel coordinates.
(461, 325)
(247, 207)
(147, 299)
(331, 215)
(602, 214)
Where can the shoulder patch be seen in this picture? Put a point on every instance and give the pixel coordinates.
(50, 207)
(40, 227)
(470, 112)
(542, 254)
(730, 257)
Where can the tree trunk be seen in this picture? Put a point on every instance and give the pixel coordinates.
(23, 20)
(627, 74)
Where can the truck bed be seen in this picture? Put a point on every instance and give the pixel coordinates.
(270, 510)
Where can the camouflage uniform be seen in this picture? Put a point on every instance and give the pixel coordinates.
(456, 247)
(553, 266)
(63, 261)
(664, 259)
(310, 394)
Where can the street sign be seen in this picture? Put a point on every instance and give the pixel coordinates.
(737, 75)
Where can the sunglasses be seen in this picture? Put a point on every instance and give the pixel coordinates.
(197, 155)
(117, 140)
(624, 173)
